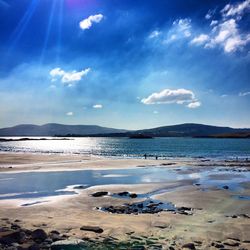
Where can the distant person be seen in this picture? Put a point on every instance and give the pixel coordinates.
(145, 156)
(156, 157)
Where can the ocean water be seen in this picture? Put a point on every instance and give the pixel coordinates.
(136, 148)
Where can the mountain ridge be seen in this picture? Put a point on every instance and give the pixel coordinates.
(178, 130)
(51, 129)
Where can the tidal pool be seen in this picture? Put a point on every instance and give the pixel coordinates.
(45, 184)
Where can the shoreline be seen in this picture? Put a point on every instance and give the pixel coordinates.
(211, 217)
(13, 162)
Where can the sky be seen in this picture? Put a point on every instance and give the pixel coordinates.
(128, 64)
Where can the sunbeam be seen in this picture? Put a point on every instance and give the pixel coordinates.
(46, 40)
(60, 22)
(22, 25)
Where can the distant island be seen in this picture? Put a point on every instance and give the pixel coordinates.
(140, 136)
(33, 139)
(180, 130)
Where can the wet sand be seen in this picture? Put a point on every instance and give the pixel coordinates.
(216, 218)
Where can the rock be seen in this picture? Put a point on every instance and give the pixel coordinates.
(217, 245)
(231, 243)
(123, 193)
(92, 229)
(184, 208)
(15, 226)
(133, 195)
(225, 187)
(54, 232)
(99, 194)
(79, 187)
(55, 236)
(34, 247)
(75, 244)
(189, 246)
(12, 237)
(140, 205)
(39, 235)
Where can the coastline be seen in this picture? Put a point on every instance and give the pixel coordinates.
(212, 211)
(43, 162)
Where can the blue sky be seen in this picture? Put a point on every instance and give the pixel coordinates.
(125, 63)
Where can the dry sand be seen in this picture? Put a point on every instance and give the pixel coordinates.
(209, 222)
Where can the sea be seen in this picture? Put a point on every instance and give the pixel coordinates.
(135, 148)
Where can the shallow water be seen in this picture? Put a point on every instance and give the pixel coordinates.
(45, 184)
(124, 147)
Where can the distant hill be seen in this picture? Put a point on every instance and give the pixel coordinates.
(185, 130)
(181, 130)
(52, 129)
(190, 130)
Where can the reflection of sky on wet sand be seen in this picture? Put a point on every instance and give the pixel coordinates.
(44, 184)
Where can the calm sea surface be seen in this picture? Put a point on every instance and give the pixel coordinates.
(135, 148)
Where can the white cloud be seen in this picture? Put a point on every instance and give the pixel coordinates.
(56, 72)
(201, 39)
(213, 22)
(88, 22)
(180, 29)
(209, 14)
(194, 105)
(70, 113)
(97, 106)
(236, 9)
(228, 36)
(225, 32)
(154, 34)
(244, 93)
(74, 75)
(68, 77)
(167, 96)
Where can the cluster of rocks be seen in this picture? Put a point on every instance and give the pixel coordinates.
(17, 238)
(235, 216)
(146, 207)
(231, 243)
(13, 237)
(124, 194)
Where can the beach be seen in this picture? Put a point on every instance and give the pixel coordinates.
(206, 216)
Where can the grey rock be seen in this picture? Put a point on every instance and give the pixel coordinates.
(133, 195)
(189, 246)
(39, 235)
(92, 229)
(99, 194)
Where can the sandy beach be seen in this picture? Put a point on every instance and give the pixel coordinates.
(215, 218)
